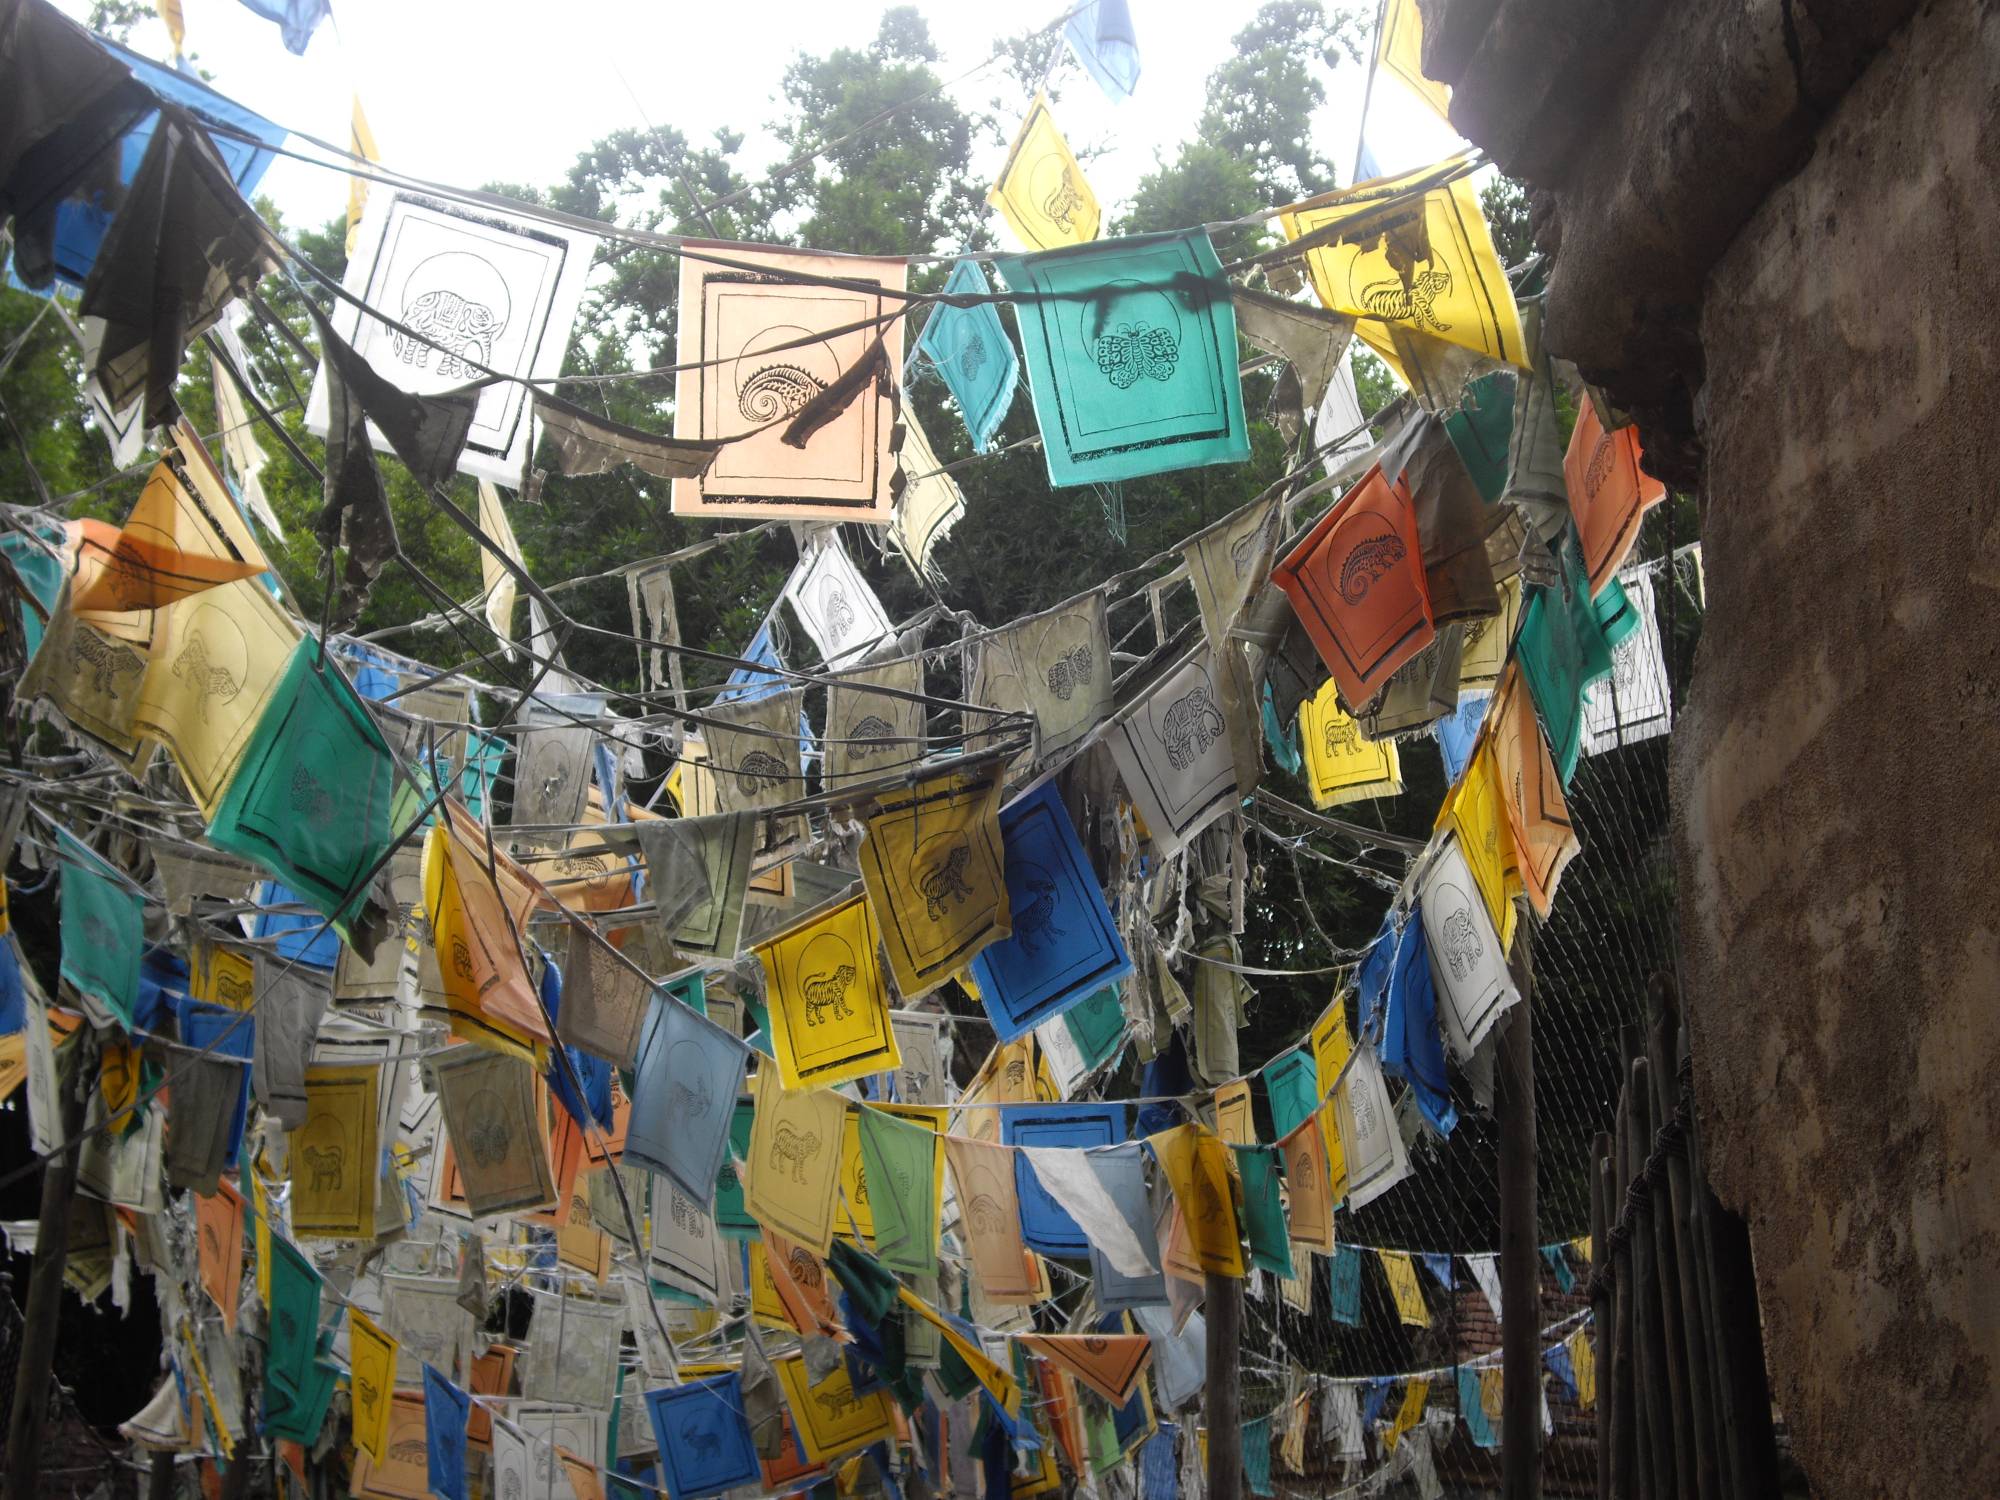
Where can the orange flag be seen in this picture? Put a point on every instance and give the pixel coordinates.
(219, 1226)
(1608, 491)
(126, 569)
(1110, 1364)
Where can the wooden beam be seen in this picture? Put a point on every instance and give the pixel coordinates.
(1223, 1308)
(1520, 1252)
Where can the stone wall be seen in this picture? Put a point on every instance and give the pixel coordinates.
(1777, 236)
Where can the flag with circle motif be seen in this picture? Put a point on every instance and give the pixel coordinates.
(1041, 191)
(829, 1007)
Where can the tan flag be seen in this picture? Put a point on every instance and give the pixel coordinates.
(361, 143)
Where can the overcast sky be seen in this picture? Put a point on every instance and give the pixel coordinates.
(507, 90)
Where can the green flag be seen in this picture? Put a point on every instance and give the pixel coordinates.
(902, 1162)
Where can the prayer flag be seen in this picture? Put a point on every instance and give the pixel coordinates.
(990, 1219)
(479, 290)
(1256, 1441)
(1263, 1209)
(1311, 1210)
(794, 1159)
(1375, 1155)
(902, 1156)
(1637, 702)
(1103, 1193)
(1472, 1412)
(698, 874)
(1489, 641)
(703, 1439)
(1608, 492)
(1411, 1412)
(683, 1092)
(102, 919)
(1475, 813)
(495, 1111)
(1331, 1049)
(135, 568)
(832, 1417)
(971, 350)
(1341, 765)
(874, 733)
(1583, 1364)
(1562, 650)
(1041, 191)
(1064, 945)
(372, 1361)
(766, 336)
(1399, 47)
(219, 1231)
(1131, 353)
(930, 503)
(828, 1006)
(1045, 1225)
(1467, 964)
(1395, 252)
(1100, 34)
(1401, 1273)
(447, 1409)
(314, 798)
(1171, 746)
(1356, 581)
(333, 1155)
(1055, 665)
(933, 870)
(834, 602)
(1344, 1285)
(1234, 1120)
(1197, 1167)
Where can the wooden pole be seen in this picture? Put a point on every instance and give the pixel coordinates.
(29, 1418)
(1624, 1412)
(1654, 1401)
(1600, 1305)
(1224, 1311)
(1686, 1343)
(160, 1477)
(1520, 1256)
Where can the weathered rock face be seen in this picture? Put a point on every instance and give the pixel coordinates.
(1776, 225)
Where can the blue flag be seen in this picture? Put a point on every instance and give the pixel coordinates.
(703, 1436)
(231, 1035)
(1344, 1284)
(1064, 945)
(1412, 1047)
(1101, 36)
(683, 1091)
(1558, 1258)
(297, 19)
(447, 1410)
(1121, 1172)
(1472, 1410)
(972, 352)
(1045, 1223)
(1257, 1455)
(1457, 731)
(1159, 1465)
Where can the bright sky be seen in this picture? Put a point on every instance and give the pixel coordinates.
(507, 90)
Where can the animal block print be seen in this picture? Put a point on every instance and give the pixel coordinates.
(1035, 924)
(869, 727)
(473, 291)
(942, 881)
(1459, 941)
(1055, 185)
(764, 338)
(210, 662)
(1133, 333)
(104, 661)
(1192, 723)
(1069, 671)
(758, 770)
(1356, 582)
(792, 1148)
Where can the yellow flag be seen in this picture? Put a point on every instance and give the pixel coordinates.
(260, 1231)
(333, 1155)
(170, 12)
(1489, 639)
(1410, 1412)
(1041, 192)
(1399, 47)
(221, 976)
(372, 1358)
(1331, 1046)
(832, 1419)
(1583, 1360)
(934, 873)
(1401, 1272)
(1397, 252)
(486, 986)
(1341, 764)
(1478, 817)
(828, 1005)
(1581, 1245)
(361, 143)
(794, 1162)
(1198, 1170)
(1492, 1392)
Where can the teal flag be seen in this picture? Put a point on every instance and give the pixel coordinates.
(1131, 351)
(971, 350)
(1478, 1426)
(1257, 1455)
(1344, 1283)
(41, 569)
(1291, 1082)
(312, 798)
(1263, 1211)
(1481, 429)
(103, 928)
(1097, 1026)
(1562, 650)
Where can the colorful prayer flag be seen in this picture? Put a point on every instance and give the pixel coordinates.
(1041, 191)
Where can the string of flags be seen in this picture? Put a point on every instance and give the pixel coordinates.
(389, 988)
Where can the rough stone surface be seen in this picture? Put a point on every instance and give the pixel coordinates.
(1773, 226)
(1837, 828)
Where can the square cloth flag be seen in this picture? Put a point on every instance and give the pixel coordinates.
(1064, 945)
(683, 1093)
(828, 1004)
(1608, 491)
(1394, 254)
(765, 335)
(1342, 766)
(705, 1445)
(1172, 750)
(103, 921)
(973, 354)
(313, 797)
(1045, 1224)
(932, 869)
(1562, 649)
(1356, 582)
(480, 290)
(1131, 350)
(1041, 192)
(1468, 965)
(833, 1418)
